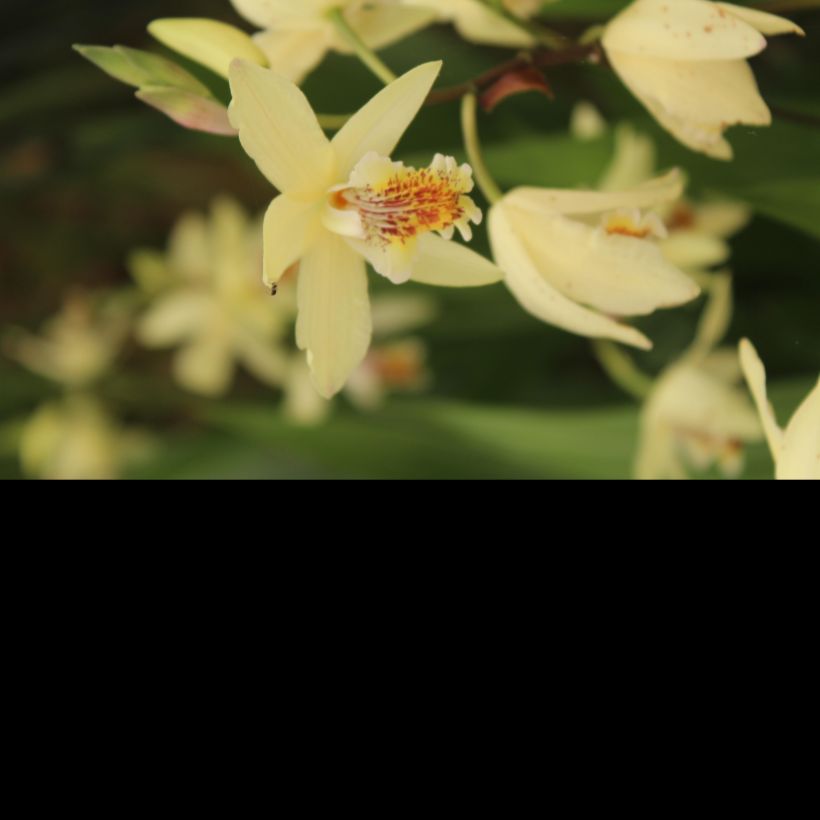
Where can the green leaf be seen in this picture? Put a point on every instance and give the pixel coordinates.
(795, 202)
(552, 161)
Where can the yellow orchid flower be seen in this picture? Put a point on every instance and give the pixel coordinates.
(697, 415)
(75, 348)
(208, 301)
(579, 259)
(685, 60)
(698, 233)
(76, 439)
(344, 203)
(477, 22)
(795, 450)
(296, 36)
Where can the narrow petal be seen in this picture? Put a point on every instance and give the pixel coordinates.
(174, 318)
(207, 42)
(713, 327)
(294, 54)
(693, 250)
(291, 226)
(800, 456)
(722, 219)
(450, 265)
(755, 373)
(265, 13)
(303, 405)
(279, 131)
(479, 24)
(682, 30)
(542, 300)
(380, 125)
(189, 253)
(382, 25)
(189, 110)
(334, 325)
(768, 24)
(205, 367)
(660, 191)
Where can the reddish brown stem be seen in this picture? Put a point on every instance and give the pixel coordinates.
(536, 59)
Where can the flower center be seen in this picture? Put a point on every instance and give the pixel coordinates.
(395, 204)
(635, 225)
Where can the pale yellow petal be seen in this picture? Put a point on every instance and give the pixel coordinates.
(800, 455)
(174, 318)
(716, 319)
(682, 30)
(695, 251)
(668, 188)
(541, 299)
(207, 42)
(295, 54)
(382, 25)
(450, 265)
(334, 325)
(290, 228)
(696, 101)
(755, 373)
(479, 24)
(658, 457)
(303, 405)
(262, 13)
(205, 367)
(380, 125)
(722, 219)
(279, 131)
(188, 248)
(635, 160)
(617, 275)
(768, 24)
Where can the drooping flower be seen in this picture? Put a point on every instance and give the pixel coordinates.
(207, 300)
(579, 260)
(296, 36)
(698, 233)
(696, 418)
(344, 202)
(697, 415)
(685, 60)
(795, 450)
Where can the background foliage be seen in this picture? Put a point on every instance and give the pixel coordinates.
(87, 174)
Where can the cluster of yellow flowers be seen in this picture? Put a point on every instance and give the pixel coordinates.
(583, 261)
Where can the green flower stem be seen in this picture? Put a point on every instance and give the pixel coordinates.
(361, 49)
(472, 142)
(544, 36)
(622, 370)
